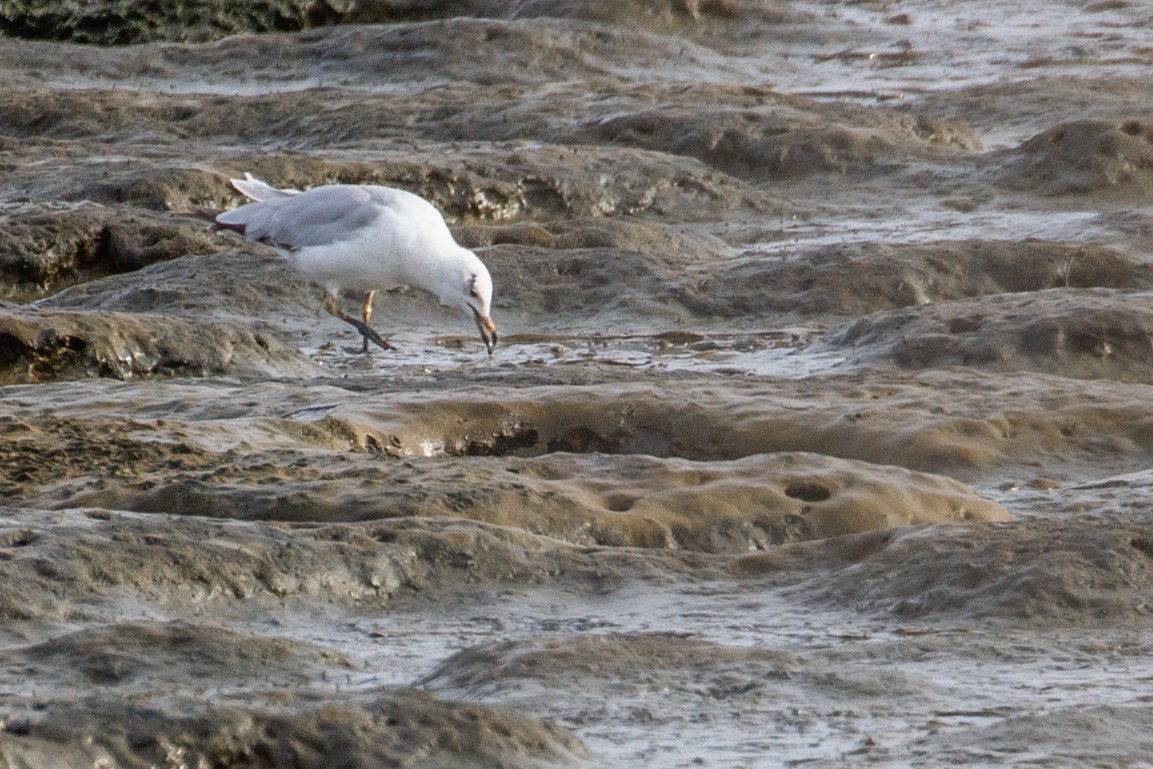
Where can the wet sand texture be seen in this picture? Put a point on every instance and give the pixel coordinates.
(819, 433)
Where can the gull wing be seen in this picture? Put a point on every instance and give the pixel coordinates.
(316, 217)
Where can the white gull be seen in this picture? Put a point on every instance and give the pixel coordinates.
(366, 238)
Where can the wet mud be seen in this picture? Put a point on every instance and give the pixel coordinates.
(819, 432)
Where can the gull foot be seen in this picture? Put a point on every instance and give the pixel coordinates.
(377, 338)
(367, 333)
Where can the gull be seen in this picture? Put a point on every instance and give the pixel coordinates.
(367, 238)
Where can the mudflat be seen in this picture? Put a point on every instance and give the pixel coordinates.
(819, 432)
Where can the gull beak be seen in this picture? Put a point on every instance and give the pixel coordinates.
(487, 330)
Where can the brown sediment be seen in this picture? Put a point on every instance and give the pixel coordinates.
(38, 346)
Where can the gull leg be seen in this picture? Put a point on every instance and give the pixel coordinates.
(367, 315)
(365, 330)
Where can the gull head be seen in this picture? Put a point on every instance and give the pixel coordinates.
(476, 298)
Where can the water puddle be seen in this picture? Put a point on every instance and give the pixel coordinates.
(927, 46)
(932, 226)
(781, 354)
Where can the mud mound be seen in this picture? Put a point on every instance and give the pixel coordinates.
(111, 23)
(620, 234)
(245, 281)
(1106, 735)
(1107, 157)
(628, 501)
(615, 656)
(782, 142)
(633, 665)
(46, 345)
(43, 250)
(1009, 113)
(85, 564)
(169, 654)
(401, 728)
(489, 51)
(1093, 334)
(578, 669)
(581, 283)
(862, 278)
(1033, 573)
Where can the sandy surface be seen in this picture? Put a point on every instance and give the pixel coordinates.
(819, 433)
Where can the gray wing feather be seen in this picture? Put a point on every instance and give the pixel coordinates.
(314, 218)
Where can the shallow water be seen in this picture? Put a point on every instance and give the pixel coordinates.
(777, 354)
(918, 226)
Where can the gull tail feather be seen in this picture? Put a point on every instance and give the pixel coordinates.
(257, 190)
(220, 218)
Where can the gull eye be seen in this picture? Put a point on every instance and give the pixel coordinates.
(472, 292)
